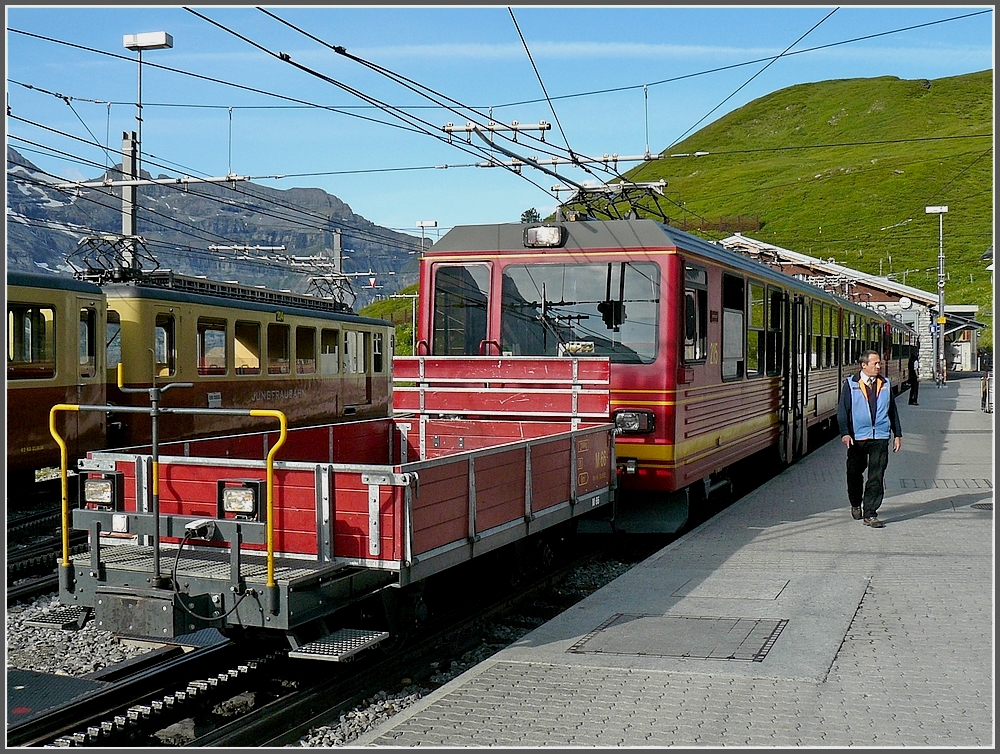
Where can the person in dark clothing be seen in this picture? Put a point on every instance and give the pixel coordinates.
(913, 377)
(867, 416)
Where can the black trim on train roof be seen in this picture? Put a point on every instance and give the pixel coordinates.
(54, 282)
(605, 235)
(170, 295)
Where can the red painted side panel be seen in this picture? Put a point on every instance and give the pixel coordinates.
(499, 488)
(351, 519)
(441, 511)
(550, 474)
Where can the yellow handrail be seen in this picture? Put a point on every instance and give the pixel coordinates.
(270, 486)
(63, 473)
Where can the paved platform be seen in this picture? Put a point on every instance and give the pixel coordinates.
(780, 622)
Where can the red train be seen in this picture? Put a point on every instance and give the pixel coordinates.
(715, 356)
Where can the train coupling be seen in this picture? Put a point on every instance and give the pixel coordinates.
(627, 465)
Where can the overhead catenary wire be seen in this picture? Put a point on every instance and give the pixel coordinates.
(745, 83)
(359, 233)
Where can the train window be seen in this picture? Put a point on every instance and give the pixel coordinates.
(211, 346)
(329, 355)
(816, 342)
(31, 342)
(88, 342)
(305, 350)
(732, 327)
(277, 349)
(113, 348)
(755, 330)
(774, 342)
(355, 352)
(247, 345)
(166, 345)
(603, 309)
(461, 295)
(832, 341)
(695, 314)
(378, 361)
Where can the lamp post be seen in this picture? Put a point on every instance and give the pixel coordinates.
(425, 224)
(940, 372)
(150, 40)
(131, 149)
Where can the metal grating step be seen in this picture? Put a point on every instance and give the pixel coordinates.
(341, 645)
(73, 617)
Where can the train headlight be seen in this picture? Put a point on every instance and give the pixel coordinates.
(544, 236)
(241, 498)
(103, 492)
(98, 491)
(634, 422)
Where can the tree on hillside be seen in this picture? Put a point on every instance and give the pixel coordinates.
(530, 216)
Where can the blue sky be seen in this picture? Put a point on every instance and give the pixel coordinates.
(473, 55)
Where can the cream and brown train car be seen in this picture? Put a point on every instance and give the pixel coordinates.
(55, 354)
(242, 348)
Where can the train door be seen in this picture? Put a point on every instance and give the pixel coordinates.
(460, 319)
(90, 358)
(792, 438)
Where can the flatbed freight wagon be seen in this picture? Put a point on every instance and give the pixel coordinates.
(280, 530)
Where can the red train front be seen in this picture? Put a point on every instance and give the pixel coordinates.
(715, 356)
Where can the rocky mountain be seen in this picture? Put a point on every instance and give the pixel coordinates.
(181, 223)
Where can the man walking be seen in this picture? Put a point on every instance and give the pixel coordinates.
(913, 376)
(867, 416)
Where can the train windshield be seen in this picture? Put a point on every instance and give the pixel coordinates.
(605, 309)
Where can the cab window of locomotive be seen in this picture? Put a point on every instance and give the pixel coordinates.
(355, 352)
(113, 347)
(166, 345)
(378, 363)
(247, 345)
(211, 346)
(31, 344)
(461, 299)
(88, 344)
(305, 350)
(604, 309)
(755, 331)
(732, 327)
(695, 314)
(277, 349)
(329, 356)
(774, 342)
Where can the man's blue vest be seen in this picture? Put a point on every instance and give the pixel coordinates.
(862, 402)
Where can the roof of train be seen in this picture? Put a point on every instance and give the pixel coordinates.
(45, 280)
(125, 290)
(598, 235)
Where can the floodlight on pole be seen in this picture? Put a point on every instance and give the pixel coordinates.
(940, 369)
(425, 224)
(150, 40)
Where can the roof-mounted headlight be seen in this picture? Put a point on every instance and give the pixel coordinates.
(544, 236)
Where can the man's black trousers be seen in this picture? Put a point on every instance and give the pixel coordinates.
(914, 389)
(873, 456)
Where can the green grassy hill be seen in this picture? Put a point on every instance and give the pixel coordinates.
(844, 169)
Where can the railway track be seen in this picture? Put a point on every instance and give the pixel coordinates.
(289, 696)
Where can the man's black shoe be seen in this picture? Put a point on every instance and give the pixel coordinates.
(856, 512)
